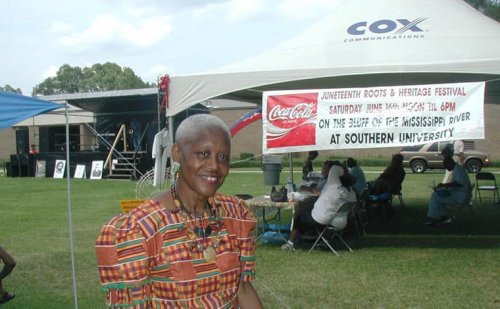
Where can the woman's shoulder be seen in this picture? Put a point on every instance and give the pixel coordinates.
(231, 205)
(231, 201)
(147, 217)
(145, 208)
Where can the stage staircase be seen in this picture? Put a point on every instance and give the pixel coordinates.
(126, 165)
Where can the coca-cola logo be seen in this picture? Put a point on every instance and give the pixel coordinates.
(299, 111)
(290, 119)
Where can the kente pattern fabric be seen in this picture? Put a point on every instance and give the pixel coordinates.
(145, 259)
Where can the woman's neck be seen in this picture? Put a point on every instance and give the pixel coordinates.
(193, 203)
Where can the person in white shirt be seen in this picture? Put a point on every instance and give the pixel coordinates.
(336, 192)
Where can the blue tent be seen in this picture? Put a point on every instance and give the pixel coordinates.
(15, 108)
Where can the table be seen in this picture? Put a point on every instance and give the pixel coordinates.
(264, 203)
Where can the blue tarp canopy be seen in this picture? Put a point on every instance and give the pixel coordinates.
(15, 108)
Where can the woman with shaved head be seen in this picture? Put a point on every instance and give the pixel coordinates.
(190, 246)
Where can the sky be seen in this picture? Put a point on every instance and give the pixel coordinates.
(152, 37)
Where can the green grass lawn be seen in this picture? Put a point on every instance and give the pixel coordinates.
(400, 264)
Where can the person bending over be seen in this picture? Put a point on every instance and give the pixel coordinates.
(454, 192)
(188, 247)
(336, 192)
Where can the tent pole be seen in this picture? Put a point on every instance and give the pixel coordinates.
(291, 166)
(171, 129)
(70, 216)
(158, 107)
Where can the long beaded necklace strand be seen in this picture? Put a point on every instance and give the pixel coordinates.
(198, 228)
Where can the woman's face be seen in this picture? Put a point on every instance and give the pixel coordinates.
(204, 161)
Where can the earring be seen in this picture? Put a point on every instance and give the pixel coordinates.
(174, 171)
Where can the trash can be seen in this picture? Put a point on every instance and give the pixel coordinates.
(271, 166)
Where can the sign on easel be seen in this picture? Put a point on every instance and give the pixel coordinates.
(80, 171)
(40, 168)
(59, 168)
(96, 171)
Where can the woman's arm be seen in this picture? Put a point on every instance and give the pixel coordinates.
(122, 277)
(247, 296)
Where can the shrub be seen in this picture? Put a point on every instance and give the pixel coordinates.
(246, 155)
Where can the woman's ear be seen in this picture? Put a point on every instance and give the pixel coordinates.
(176, 153)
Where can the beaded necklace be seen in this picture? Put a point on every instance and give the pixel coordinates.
(199, 227)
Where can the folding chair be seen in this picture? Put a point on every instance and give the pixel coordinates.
(468, 199)
(400, 197)
(128, 205)
(485, 181)
(383, 198)
(338, 223)
(360, 218)
(362, 210)
(467, 203)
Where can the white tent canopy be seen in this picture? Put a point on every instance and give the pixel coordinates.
(363, 43)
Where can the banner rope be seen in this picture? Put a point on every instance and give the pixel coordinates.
(272, 293)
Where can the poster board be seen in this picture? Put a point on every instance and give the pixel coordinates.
(59, 168)
(80, 171)
(96, 170)
(40, 168)
(373, 117)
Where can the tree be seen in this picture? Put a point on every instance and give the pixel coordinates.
(98, 77)
(489, 8)
(110, 76)
(9, 88)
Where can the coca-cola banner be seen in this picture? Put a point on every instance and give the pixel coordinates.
(325, 119)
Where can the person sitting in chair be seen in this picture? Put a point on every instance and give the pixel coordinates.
(325, 170)
(357, 174)
(387, 184)
(447, 152)
(391, 178)
(336, 192)
(307, 167)
(457, 191)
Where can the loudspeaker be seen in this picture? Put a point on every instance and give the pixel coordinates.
(22, 140)
(43, 136)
